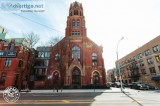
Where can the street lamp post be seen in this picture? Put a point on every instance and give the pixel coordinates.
(118, 66)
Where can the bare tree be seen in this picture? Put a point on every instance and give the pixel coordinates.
(32, 38)
(54, 40)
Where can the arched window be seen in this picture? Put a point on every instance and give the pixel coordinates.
(76, 52)
(78, 24)
(96, 78)
(75, 72)
(11, 46)
(70, 14)
(73, 24)
(75, 12)
(8, 62)
(57, 57)
(94, 59)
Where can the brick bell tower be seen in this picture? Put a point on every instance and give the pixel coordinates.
(76, 21)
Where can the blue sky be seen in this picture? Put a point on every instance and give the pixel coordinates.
(106, 21)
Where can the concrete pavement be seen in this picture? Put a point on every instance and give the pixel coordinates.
(70, 90)
(87, 97)
(111, 90)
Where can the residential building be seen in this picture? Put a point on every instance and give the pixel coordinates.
(142, 65)
(40, 72)
(15, 62)
(111, 75)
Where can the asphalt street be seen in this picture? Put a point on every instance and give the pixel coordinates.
(111, 97)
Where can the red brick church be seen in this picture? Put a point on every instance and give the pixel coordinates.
(76, 61)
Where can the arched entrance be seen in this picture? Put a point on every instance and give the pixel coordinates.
(76, 78)
(96, 78)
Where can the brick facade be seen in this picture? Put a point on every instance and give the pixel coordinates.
(15, 62)
(76, 58)
(143, 64)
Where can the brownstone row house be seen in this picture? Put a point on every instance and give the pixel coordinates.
(76, 59)
(15, 62)
(142, 65)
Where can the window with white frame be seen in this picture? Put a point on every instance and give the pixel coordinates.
(147, 52)
(73, 24)
(8, 62)
(141, 63)
(94, 59)
(78, 24)
(11, 46)
(139, 55)
(47, 54)
(149, 61)
(40, 54)
(156, 48)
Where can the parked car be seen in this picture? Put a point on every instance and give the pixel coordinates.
(110, 84)
(118, 84)
(140, 86)
(134, 84)
(150, 87)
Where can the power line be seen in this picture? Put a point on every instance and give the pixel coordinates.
(37, 23)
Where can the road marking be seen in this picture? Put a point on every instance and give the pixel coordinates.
(66, 101)
(77, 102)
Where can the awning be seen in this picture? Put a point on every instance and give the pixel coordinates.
(156, 77)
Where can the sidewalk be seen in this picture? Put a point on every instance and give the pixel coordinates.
(112, 90)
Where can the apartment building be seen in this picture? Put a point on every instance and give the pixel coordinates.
(40, 71)
(15, 61)
(142, 65)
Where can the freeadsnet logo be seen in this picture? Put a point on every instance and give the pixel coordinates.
(22, 6)
(11, 94)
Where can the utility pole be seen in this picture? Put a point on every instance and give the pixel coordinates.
(118, 66)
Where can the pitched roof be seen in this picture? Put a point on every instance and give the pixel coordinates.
(76, 3)
(18, 41)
